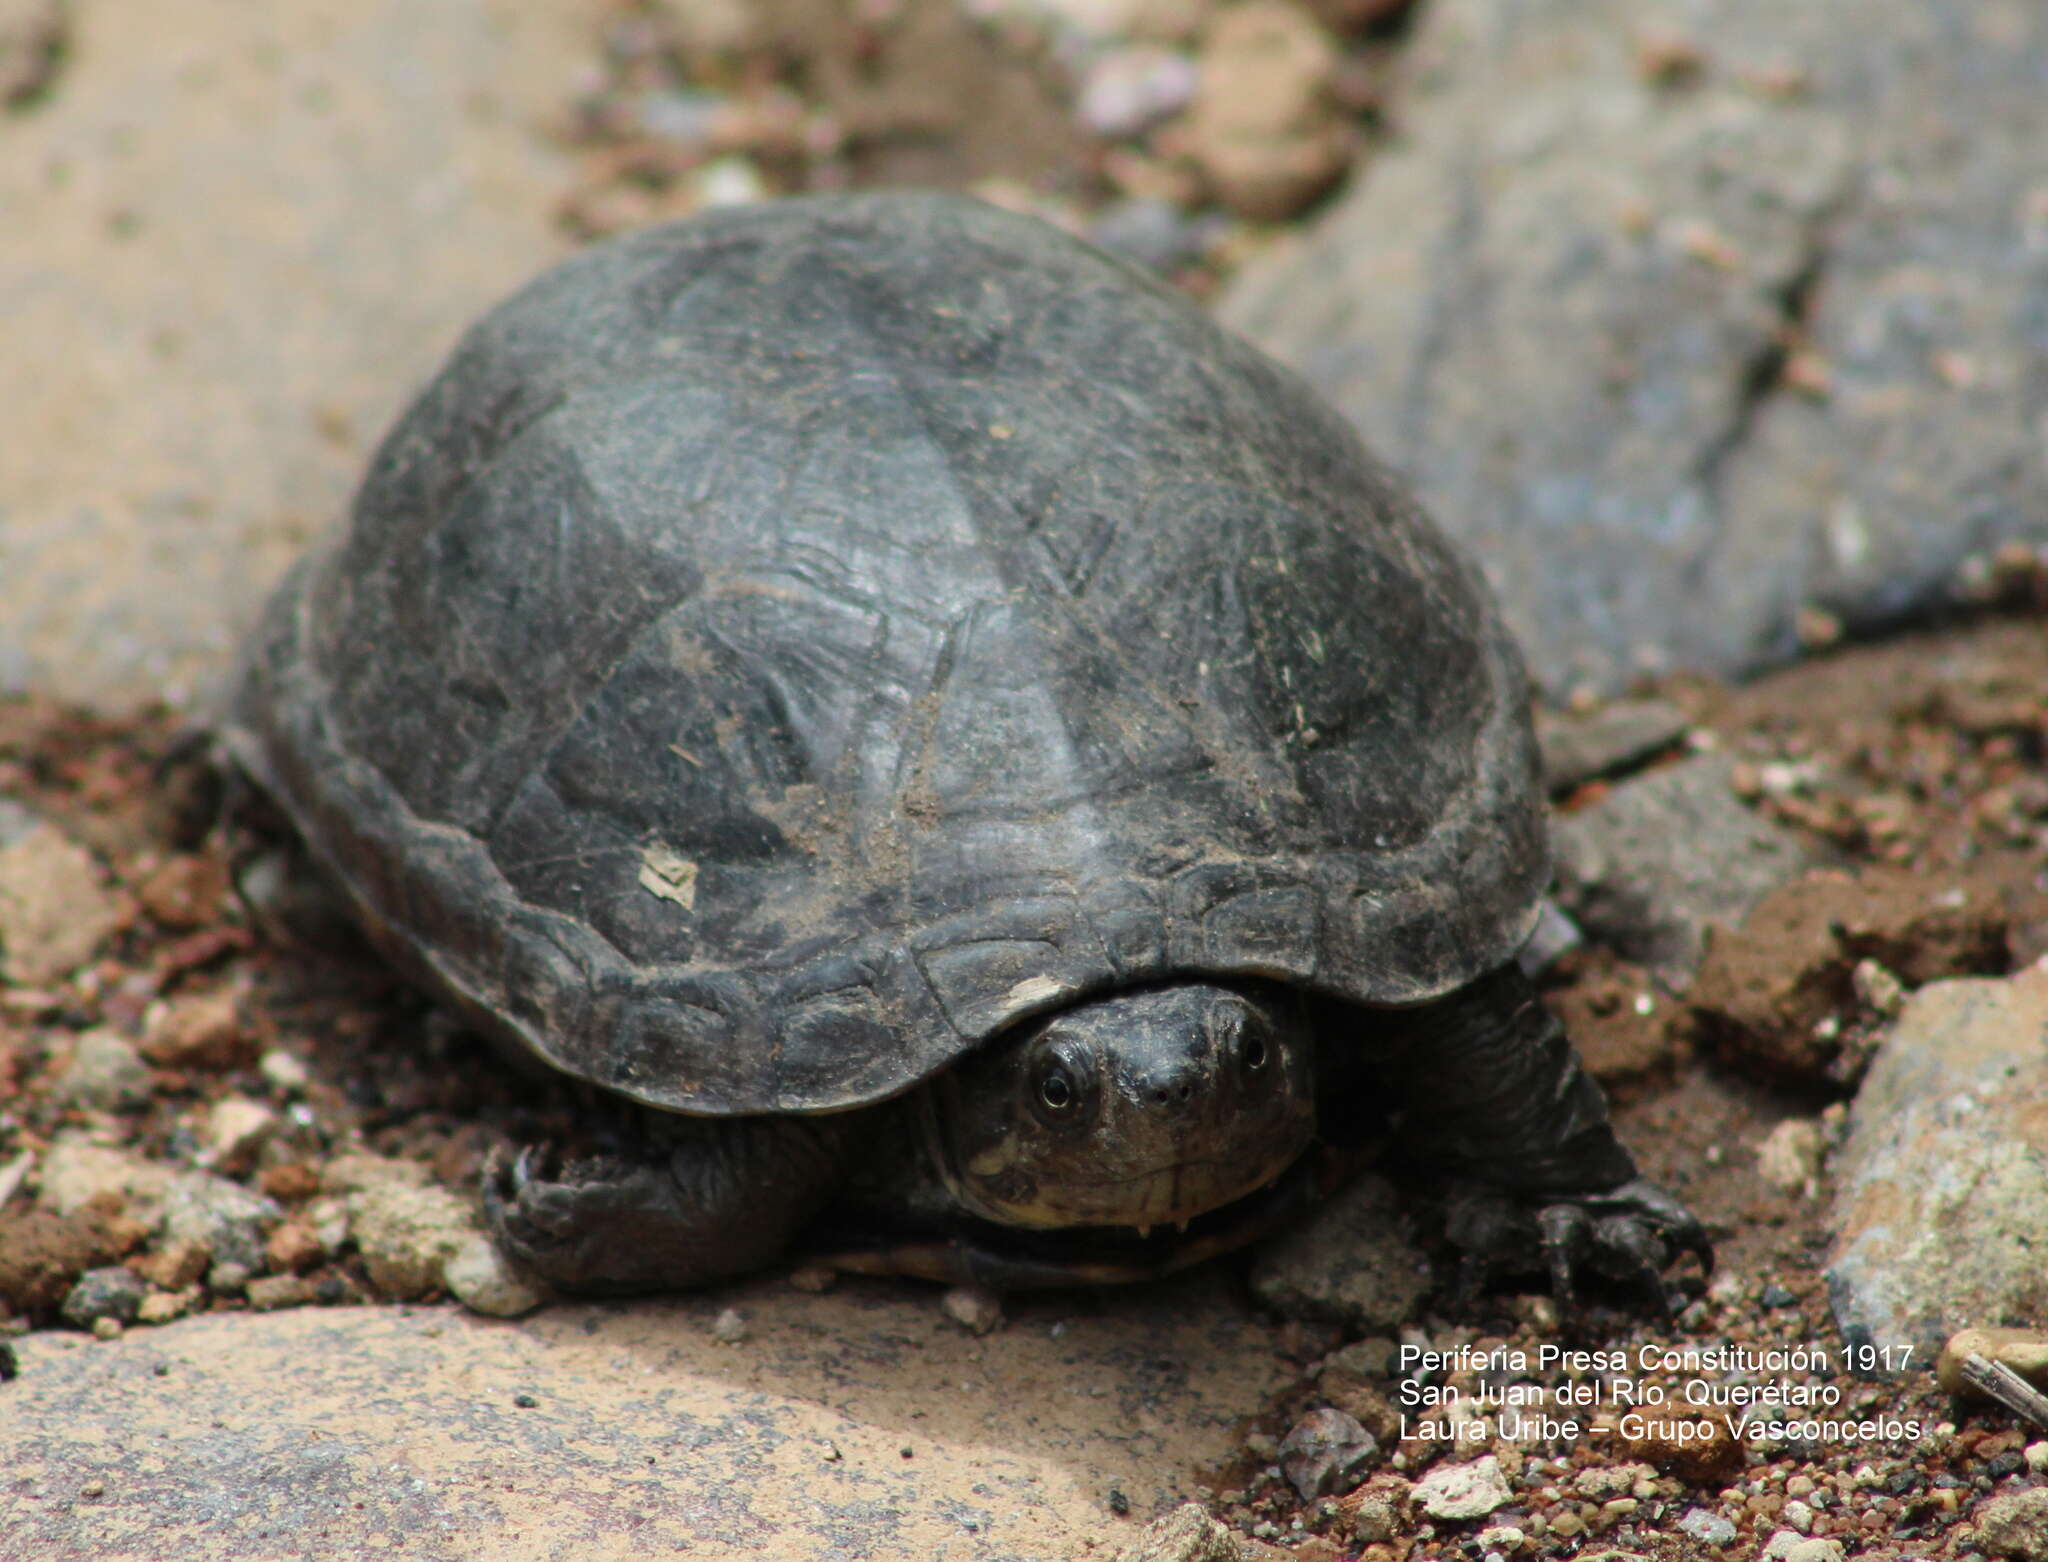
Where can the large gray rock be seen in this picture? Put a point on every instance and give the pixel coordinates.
(862, 1423)
(236, 237)
(1352, 1262)
(1943, 1181)
(1561, 302)
(1664, 856)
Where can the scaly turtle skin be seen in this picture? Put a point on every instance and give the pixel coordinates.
(983, 755)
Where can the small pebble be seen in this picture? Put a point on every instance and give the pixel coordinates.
(483, 1281)
(1789, 1159)
(688, 118)
(104, 1072)
(272, 1292)
(1465, 1491)
(293, 1248)
(236, 1128)
(814, 1278)
(1263, 125)
(1789, 1546)
(283, 1072)
(329, 1220)
(1601, 1482)
(163, 1307)
(1154, 233)
(975, 1308)
(1375, 1519)
(1877, 988)
(293, 1182)
(1327, 1452)
(730, 181)
(185, 892)
(525, 1401)
(199, 1030)
(1127, 92)
(1367, 1358)
(112, 1295)
(221, 1215)
(408, 1235)
(1707, 1528)
(729, 1327)
(93, 1489)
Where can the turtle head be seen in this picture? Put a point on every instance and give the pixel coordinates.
(1137, 1109)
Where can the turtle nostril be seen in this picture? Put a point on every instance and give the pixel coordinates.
(1166, 1092)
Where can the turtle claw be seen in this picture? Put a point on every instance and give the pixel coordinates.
(567, 1221)
(526, 1203)
(1566, 1234)
(693, 1202)
(1630, 1233)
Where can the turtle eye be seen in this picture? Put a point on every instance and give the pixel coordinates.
(1056, 1088)
(1059, 1085)
(1251, 1051)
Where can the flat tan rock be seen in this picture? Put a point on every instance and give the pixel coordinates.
(237, 237)
(54, 908)
(860, 1422)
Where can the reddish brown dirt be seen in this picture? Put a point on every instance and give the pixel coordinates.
(1917, 760)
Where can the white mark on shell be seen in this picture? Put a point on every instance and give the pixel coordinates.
(666, 872)
(1032, 990)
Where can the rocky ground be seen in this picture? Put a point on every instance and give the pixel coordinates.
(1802, 417)
(202, 1118)
(1169, 131)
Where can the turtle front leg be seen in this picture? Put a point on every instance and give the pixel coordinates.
(699, 1200)
(1496, 1100)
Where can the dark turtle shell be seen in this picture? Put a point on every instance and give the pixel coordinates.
(784, 647)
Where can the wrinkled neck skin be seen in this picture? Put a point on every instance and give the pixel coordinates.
(1138, 1109)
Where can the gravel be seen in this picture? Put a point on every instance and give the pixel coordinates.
(1327, 1452)
(105, 1073)
(112, 1292)
(1463, 1491)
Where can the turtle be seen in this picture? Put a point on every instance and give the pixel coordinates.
(976, 767)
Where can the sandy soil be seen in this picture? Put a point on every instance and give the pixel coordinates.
(1920, 755)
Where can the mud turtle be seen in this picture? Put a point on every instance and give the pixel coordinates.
(984, 754)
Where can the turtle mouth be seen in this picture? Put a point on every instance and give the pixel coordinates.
(973, 1251)
(1178, 1194)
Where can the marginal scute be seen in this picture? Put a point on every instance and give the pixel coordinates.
(1273, 932)
(1132, 928)
(987, 972)
(655, 1043)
